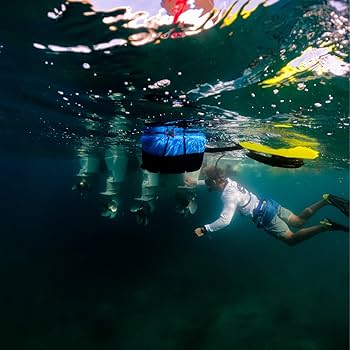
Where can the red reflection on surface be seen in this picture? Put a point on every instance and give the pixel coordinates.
(177, 7)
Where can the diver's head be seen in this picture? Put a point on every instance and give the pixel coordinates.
(215, 178)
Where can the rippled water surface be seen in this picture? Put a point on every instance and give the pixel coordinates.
(81, 74)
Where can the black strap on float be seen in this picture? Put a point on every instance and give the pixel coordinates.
(179, 123)
(235, 147)
(166, 145)
(184, 139)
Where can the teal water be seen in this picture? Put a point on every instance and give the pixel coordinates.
(72, 279)
(71, 96)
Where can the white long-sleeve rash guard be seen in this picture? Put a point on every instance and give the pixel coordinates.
(234, 197)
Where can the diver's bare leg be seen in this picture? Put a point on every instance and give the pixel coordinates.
(299, 220)
(303, 234)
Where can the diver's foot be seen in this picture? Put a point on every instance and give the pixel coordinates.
(334, 226)
(338, 202)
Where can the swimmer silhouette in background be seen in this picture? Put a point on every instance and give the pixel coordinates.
(93, 166)
(155, 185)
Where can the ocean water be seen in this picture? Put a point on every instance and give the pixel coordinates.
(79, 80)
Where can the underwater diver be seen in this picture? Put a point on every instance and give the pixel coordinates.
(186, 203)
(116, 161)
(146, 202)
(266, 214)
(154, 185)
(92, 166)
(87, 176)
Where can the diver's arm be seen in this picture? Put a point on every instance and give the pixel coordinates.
(223, 220)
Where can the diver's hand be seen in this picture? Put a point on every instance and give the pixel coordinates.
(199, 232)
(190, 182)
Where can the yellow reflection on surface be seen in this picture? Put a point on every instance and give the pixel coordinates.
(319, 61)
(244, 8)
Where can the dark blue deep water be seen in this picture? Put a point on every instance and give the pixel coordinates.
(78, 81)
